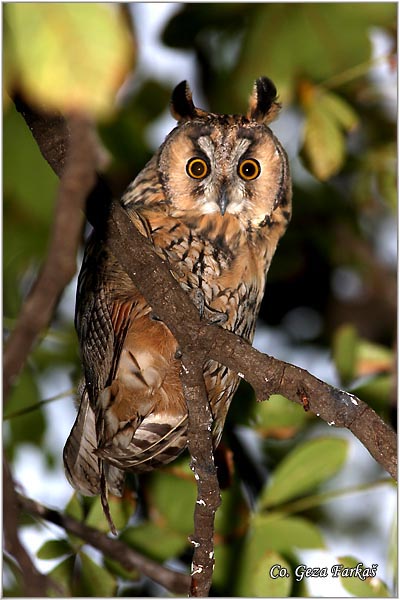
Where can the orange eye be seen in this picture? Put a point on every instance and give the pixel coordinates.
(197, 168)
(249, 169)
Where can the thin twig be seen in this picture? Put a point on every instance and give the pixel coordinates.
(178, 583)
(32, 407)
(354, 72)
(308, 502)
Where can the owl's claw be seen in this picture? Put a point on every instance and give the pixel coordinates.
(154, 317)
(197, 297)
(218, 318)
(213, 317)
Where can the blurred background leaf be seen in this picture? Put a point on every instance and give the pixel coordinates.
(77, 58)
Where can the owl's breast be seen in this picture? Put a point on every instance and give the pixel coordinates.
(214, 256)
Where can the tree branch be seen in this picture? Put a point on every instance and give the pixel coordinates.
(78, 178)
(178, 583)
(202, 464)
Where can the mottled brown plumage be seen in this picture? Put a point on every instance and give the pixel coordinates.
(214, 201)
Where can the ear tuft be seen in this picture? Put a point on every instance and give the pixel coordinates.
(263, 105)
(182, 107)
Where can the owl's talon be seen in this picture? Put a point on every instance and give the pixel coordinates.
(197, 297)
(154, 317)
(212, 317)
(218, 319)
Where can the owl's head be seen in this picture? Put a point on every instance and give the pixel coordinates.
(225, 165)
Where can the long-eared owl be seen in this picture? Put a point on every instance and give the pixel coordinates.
(214, 201)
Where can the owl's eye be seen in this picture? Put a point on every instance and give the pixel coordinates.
(249, 169)
(197, 168)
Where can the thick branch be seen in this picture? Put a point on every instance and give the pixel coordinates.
(178, 583)
(78, 177)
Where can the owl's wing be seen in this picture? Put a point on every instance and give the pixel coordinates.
(102, 320)
(101, 326)
(80, 462)
(93, 319)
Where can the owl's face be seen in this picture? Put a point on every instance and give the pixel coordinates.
(224, 165)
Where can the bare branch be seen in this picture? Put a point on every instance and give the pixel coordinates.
(178, 583)
(77, 180)
(51, 133)
(338, 408)
(202, 464)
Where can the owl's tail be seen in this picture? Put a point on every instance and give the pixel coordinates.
(82, 466)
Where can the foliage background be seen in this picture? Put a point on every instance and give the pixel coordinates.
(330, 303)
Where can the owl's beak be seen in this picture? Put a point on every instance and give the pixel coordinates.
(223, 201)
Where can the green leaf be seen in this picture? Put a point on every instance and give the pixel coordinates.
(285, 40)
(377, 391)
(117, 569)
(283, 534)
(13, 579)
(345, 344)
(234, 503)
(355, 357)
(328, 117)
(352, 575)
(74, 507)
(95, 580)
(339, 109)
(30, 427)
(273, 534)
(225, 561)
(54, 549)
(62, 574)
(307, 466)
(163, 491)
(29, 188)
(263, 585)
(28, 179)
(125, 135)
(377, 173)
(158, 542)
(323, 148)
(278, 417)
(77, 57)
(121, 510)
(374, 358)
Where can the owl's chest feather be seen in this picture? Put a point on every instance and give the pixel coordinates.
(216, 257)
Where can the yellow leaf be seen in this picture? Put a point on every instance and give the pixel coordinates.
(340, 110)
(323, 147)
(69, 56)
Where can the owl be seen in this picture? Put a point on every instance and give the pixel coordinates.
(213, 201)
